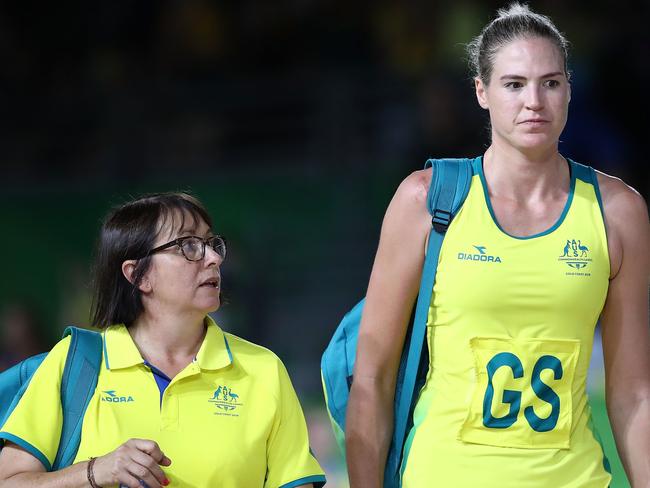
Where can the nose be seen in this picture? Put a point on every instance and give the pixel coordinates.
(212, 257)
(534, 98)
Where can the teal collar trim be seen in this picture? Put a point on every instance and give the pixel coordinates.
(567, 205)
(121, 352)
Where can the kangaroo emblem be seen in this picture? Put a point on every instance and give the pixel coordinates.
(566, 249)
(216, 394)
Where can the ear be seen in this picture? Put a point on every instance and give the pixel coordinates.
(128, 269)
(481, 94)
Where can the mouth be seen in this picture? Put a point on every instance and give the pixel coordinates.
(212, 283)
(534, 122)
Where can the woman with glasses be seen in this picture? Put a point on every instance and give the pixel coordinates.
(178, 401)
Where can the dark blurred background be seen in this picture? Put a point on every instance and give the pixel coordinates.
(293, 121)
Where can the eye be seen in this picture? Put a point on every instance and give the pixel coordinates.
(552, 83)
(192, 247)
(513, 85)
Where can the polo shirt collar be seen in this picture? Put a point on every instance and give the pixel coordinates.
(119, 349)
(121, 352)
(215, 351)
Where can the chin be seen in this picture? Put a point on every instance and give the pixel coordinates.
(210, 307)
(534, 142)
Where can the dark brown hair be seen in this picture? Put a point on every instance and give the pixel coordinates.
(129, 232)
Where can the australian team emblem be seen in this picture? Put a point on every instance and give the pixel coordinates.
(225, 399)
(575, 254)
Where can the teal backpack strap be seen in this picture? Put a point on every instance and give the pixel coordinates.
(78, 385)
(450, 184)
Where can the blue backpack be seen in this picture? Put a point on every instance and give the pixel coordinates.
(77, 387)
(449, 187)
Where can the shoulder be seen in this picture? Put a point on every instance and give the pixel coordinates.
(408, 206)
(618, 195)
(414, 188)
(260, 363)
(626, 220)
(250, 354)
(622, 204)
(57, 355)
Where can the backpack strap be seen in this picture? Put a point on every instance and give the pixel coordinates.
(450, 184)
(78, 385)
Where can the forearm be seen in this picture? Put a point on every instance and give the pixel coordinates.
(71, 477)
(369, 428)
(630, 421)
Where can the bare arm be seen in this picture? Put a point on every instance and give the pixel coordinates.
(626, 331)
(134, 460)
(392, 290)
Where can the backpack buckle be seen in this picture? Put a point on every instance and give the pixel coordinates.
(441, 220)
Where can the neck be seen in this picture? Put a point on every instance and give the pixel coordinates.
(164, 337)
(519, 176)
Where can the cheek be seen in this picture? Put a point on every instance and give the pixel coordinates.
(504, 109)
(173, 279)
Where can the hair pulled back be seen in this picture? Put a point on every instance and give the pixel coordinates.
(512, 23)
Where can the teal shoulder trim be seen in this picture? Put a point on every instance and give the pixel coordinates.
(477, 165)
(598, 195)
(318, 481)
(567, 205)
(105, 350)
(227, 347)
(28, 447)
(580, 171)
(588, 175)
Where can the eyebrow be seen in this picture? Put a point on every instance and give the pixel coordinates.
(519, 77)
(192, 231)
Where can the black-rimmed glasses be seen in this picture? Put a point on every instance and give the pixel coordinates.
(193, 247)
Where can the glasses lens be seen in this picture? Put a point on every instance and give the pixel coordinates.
(218, 244)
(192, 248)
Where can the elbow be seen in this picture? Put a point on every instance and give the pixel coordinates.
(624, 398)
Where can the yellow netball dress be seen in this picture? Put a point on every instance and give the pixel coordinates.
(510, 334)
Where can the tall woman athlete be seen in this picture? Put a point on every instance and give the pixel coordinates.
(504, 404)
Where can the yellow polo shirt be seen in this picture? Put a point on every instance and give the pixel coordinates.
(231, 418)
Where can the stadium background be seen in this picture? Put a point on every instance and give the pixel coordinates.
(293, 121)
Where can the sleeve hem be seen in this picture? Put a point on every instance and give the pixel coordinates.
(317, 480)
(28, 447)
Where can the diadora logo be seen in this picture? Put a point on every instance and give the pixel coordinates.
(226, 401)
(111, 396)
(576, 256)
(482, 255)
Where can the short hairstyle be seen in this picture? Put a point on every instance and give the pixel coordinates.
(515, 22)
(129, 232)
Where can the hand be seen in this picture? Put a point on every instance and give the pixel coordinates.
(135, 461)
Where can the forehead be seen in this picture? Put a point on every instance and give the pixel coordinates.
(528, 57)
(181, 222)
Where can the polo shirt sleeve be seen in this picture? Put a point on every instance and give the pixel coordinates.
(35, 424)
(290, 462)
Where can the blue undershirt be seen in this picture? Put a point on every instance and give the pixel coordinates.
(162, 380)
